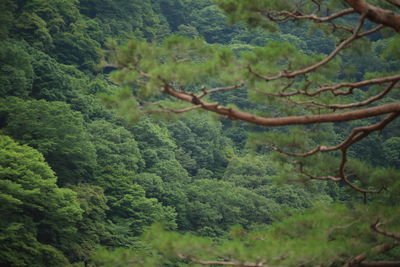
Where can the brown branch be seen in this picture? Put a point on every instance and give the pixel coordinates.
(322, 178)
(171, 110)
(357, 260)
(375, 14)
(340, 27)
(334, 88)
(219, 89)
(339, 47)
(361, 132)
(305, 154)
(361, 190)
(284, 121)
(356, 135)
(221, 263)
(394, 2)
(351, 105)
(379, 264)
(164, 108)
(298, 15)
(340, 227)
(376, 227)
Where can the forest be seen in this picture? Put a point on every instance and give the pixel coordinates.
(199, 133)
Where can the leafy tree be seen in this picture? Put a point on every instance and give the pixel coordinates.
(115, 146)
(202, 141)
(250, 171)
(7, 17)
(174, 12)
(211, 24)
(214, 206)
(38, 218)
(56, 131)
(121, 19)
(391, 148)
(16, 71)
(92, 228)
(119, 159)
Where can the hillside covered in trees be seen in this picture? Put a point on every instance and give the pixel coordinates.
(142, 133)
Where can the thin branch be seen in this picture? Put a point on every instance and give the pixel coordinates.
(305, 154)
(171, 110)
(166, 109)
(361, 190)
(376, 227)
(334, 88)
(357, 260)
(297, 15)
(322, 178)
(221, 263)
(394, 2)
(219, 89)
(340, 27)
(323, 62)
(341, 227)
(356, 135)
(379, 264)
(351, 105)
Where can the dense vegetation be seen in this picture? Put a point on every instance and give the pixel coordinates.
(90, 176)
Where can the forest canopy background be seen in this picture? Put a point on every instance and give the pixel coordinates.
(92, 157)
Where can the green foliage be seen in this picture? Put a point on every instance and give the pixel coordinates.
(391, 149)
(201, 140)
(211, 24)
(91, 230)
(214, 206)
(121, 19)
(56, 131)
(115, 147)
(324, 232)
(6, 17)
(250, 171)
(37, 216)
(121, 171)
(16, 71)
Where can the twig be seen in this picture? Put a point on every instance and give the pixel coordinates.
(376, 227)
(323, 62)
(222, 263)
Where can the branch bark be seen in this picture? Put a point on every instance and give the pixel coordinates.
(335, 87)
(221, 263)
(376, 14)
(351, 105)
(394, 2)
(298, 15)
(285, 121)
(380, 264)
(358, 260)
(376, 227)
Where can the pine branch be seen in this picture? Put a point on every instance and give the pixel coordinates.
(222, 263)
(375, 14)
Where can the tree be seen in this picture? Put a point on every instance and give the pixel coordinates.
(290, 75)
(38, 218)
(300, 90)
(54, 130)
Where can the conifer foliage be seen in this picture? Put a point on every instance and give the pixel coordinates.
(107, 157)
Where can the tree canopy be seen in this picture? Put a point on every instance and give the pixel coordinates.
(199, 132)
